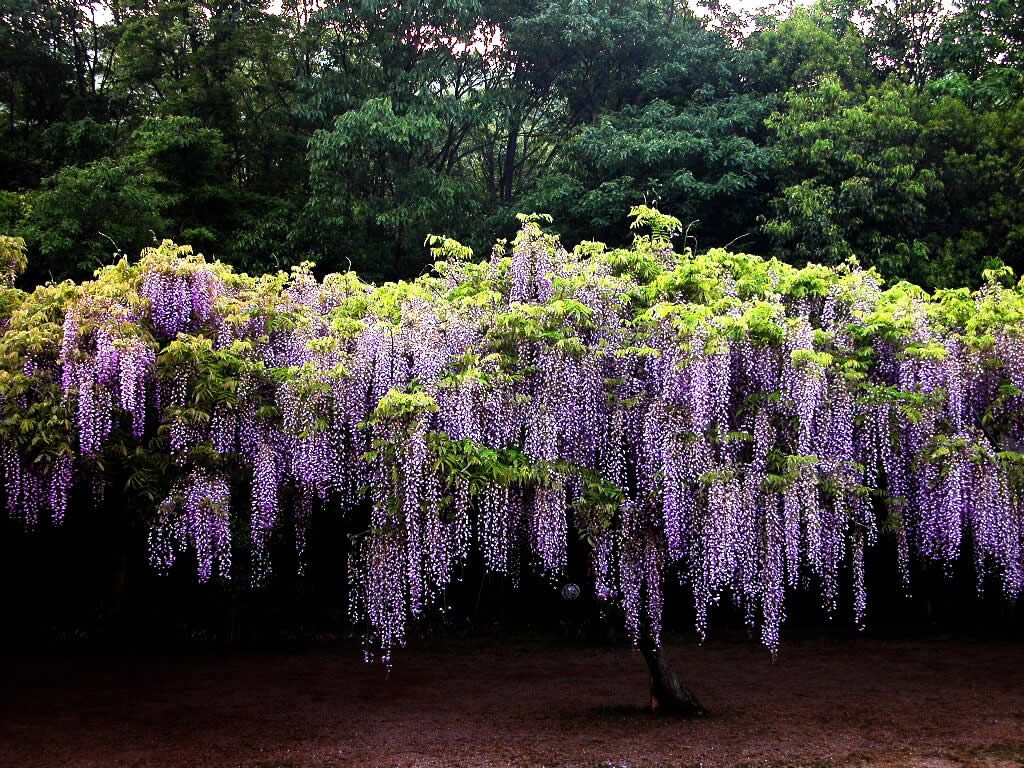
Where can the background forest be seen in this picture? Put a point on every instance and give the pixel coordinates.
(346, 132)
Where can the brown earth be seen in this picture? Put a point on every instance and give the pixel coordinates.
(934, 704)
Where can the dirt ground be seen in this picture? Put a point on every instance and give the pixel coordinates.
(934, 704)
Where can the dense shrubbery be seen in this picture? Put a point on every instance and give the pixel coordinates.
(738, 423)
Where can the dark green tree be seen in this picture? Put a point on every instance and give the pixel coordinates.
(806, 45)
(855, 185)
(83, 216)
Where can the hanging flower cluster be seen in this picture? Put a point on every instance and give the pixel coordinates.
(194, 516)
(739, 425)
(107, 362)
(181, 299)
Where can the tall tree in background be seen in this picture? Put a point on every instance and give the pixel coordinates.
(232, 65)
(810, 43)
(901, 34)
(857, 185)
(53, 55)
(345, 132)
(398, 99)
(982, 35)
(655, 99)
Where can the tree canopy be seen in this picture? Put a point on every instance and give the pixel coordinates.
(345, 132)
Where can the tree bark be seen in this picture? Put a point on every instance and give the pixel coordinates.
(668, 696)
(509, 167)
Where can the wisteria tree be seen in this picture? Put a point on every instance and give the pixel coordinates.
(735, 424)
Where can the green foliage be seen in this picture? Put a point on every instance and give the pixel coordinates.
(807, 45)
(83, 216)
(695, 162)
(346, 132)
(863, 191)
(12, 258)
(923, 185)
(374, 180)
(42, 424)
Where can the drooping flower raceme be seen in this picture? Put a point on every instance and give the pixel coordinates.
(739, 425)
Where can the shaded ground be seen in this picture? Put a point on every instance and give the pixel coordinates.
(935, 703)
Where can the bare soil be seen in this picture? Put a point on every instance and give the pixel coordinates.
(930, 704)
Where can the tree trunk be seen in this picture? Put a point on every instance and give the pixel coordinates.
(668, 695)
(509, 167)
